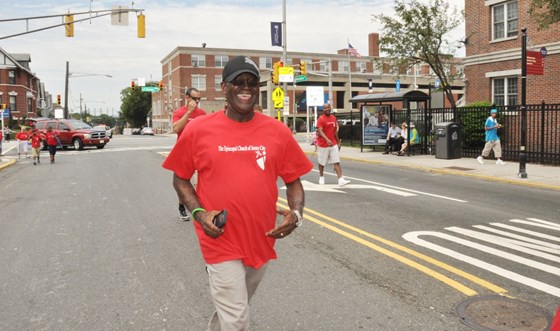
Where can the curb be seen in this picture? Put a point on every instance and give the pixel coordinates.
(7, 164)
(451, 172)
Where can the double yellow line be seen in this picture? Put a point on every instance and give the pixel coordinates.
(431, 272)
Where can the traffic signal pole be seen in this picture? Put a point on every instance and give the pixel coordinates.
(284, 49)
(66, 90)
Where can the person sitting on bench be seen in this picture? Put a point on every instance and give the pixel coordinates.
(394, 139)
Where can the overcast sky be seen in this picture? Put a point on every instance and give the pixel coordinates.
(101, 48)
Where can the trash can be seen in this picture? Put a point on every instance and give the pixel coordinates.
(448, 140)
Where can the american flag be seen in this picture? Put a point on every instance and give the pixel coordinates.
(352, 51)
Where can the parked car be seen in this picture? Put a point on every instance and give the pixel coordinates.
(73, 133)
(147, 131)
(136, 131)
(107, 129)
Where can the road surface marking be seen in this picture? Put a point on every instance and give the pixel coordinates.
(518, 245)
(397, 188)
(460, 287)
(334, 188)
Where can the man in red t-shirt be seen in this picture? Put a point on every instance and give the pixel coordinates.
(239, 155)
(21, 138)
(182, 117)
(328, 145)
(36, 137)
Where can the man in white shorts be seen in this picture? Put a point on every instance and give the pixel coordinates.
(328, 144)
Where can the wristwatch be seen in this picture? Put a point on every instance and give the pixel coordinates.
(299, 218)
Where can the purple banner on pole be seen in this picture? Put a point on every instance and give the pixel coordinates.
(276, 33)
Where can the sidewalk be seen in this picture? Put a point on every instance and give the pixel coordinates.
(6, 161)
(537, 175)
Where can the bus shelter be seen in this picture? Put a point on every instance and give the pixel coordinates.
(377, 111)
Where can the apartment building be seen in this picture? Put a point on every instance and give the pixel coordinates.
(20, 89)
(342, 76)
(493, 53)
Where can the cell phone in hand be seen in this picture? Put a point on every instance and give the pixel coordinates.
(220, 219)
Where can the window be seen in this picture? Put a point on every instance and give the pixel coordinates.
(343, 66)
(221, 61)
(198, 60)
(51, 125)
(504, 20)
(265, 63)
(218, 82)
(12, 77)
(505, 91)
(361, 66)
(199, 82)
(13, 104)
(63, 126)
(324, 65)
(29, 105)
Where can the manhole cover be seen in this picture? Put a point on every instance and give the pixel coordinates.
(497, 313)
(459, 168)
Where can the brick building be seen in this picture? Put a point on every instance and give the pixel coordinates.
(20, 89)
(341, 76)
(493, 53)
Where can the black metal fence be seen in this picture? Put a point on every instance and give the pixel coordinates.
(542, 133)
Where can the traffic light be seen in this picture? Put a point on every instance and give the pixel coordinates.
(275, 71)
(160, 85)
(141, 26)
(303, 67)
(3, 106)
(69, 27)
(58, 100)
(132, 85)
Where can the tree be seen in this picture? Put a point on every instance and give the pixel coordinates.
(135, 105)
(545, 12)
(416, 35)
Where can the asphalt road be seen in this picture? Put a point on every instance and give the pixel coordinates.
(93, 243)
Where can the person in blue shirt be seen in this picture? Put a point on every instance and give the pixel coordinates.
(492, 140)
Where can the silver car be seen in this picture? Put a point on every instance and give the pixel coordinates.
(108, 130)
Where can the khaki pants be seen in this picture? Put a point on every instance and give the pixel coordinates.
(492, 145)
(232, 285)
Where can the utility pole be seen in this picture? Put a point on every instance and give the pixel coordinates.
(66, 90)
(522, 148)
(284, 49)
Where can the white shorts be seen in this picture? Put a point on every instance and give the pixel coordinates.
(328, 155)
(22, 146)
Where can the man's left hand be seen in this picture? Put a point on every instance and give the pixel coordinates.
(286, 227)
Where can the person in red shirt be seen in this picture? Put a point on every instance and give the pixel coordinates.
(52, 142)
(182, 117)
(328, 145)
(36, 138)
(22, 138)
(239, 155)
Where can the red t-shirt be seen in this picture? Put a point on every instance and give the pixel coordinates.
(36, 140)
(51, 139)
(178, 114)
(238, 165)
(328, 124)
(22, 136)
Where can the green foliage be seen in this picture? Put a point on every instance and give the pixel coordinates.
(472, 118)
(136, 105)
(545, 12)
(416, 34)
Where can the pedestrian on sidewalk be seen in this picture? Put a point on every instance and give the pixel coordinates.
(36, 138)
(22, 138)
(182, 117)
(328, 144)
(52, 142)
(239, 155)
(492, 140)
(7, 133)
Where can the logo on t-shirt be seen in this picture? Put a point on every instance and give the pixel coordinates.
(260, 152)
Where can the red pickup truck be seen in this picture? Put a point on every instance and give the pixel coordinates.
(72, 133)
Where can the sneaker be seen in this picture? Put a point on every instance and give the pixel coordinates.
(321, 180)
(34, 163)
(500, 162)
(183, 214)
(480, 160)
(342, 181)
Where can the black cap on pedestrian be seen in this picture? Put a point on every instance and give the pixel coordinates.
(239, 65)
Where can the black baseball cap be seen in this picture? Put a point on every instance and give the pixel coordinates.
(239, 65)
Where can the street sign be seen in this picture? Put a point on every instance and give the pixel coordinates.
(535, 63)
(286, 74)
(150, 89)
(286, 106)
(398, 85)
(300, 78)
(315, 96)
(278, 98)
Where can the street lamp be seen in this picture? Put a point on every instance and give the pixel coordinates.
(74, 74)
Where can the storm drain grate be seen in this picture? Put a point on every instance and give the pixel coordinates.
(459, 168)
(497, 313)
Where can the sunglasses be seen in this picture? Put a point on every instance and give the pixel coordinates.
(252, 83)
(195, 98)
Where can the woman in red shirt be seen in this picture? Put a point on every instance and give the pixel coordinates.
(36, 137)
(21, 138)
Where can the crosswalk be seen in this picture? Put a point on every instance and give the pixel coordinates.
(527, 242)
